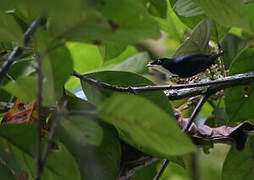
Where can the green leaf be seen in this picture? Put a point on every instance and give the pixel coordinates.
(157, 7)
(146, 172)
(95, 147)
(86, 57)
(198, 41)
(187, 8)
(117, 78)
(9, 29)
(112, 50)
(129, 22)
(129, 51)
(239, 100)
(24, 88)
(145, 126)
(238, 165)
(135, 63)
(17, 150)
(227, 13)
(56, 69)
(231, 46)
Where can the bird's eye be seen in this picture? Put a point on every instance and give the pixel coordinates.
(159, 62)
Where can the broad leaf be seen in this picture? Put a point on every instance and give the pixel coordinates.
(17, 150)
(9, 29)
(95, 147)
(145, 126)
(6, 173)
(135, 63)
(198, 41)
(239, 100)
(238, 165)
(157, 7)
(228, 13)
(130, 23)
(112, 50)
(21, 88)
(118, 78)
(231, 46)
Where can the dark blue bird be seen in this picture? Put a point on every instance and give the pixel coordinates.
(185, 66)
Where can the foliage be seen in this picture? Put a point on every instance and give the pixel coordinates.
(112, 41)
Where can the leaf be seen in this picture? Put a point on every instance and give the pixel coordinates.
(117, 78)
(129, 22)
(21, 88)
(135, 63)
(239, 100)
(95, 147)
(226, 13)
(187, 8)
(56, 68)
(231, 46)
(145, 126)
(157, 7)
(9, 29)
(17, 149)
(238, 165)
(112, 50)
(86, 57)
(198, 41)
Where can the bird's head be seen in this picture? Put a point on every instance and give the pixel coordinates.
(160, 65)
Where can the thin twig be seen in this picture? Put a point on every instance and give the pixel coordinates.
(18, 51)
(162, 169)
(195, 112)
(134, 166)
(58, 117)
(238, 79)
(185, 129)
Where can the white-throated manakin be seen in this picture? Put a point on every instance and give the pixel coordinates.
(185, 66)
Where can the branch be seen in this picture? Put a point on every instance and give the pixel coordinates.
(185, 129)
(18, 51)
(134, 166)
(162, 169)
(230, 81)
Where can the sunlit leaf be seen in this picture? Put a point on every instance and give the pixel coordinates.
(145, 126)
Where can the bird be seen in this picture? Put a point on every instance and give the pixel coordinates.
(185, 66)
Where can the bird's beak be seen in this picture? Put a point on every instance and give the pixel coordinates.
(149, 65)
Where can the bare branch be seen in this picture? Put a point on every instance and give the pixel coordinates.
(18, 51)
(230, 81)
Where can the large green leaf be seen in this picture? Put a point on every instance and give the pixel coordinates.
(57, 66)
(231, 46)
(145, 126)
(21, 88)
(112, 50)
(118, 78)
(95, 147)
(238, 165)
(228, 13)
(239, 100)
(17, 150)
(135, 63)
(157, 7)
(129, 21)
(9, 29)
(191, 14)
(198, 41)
